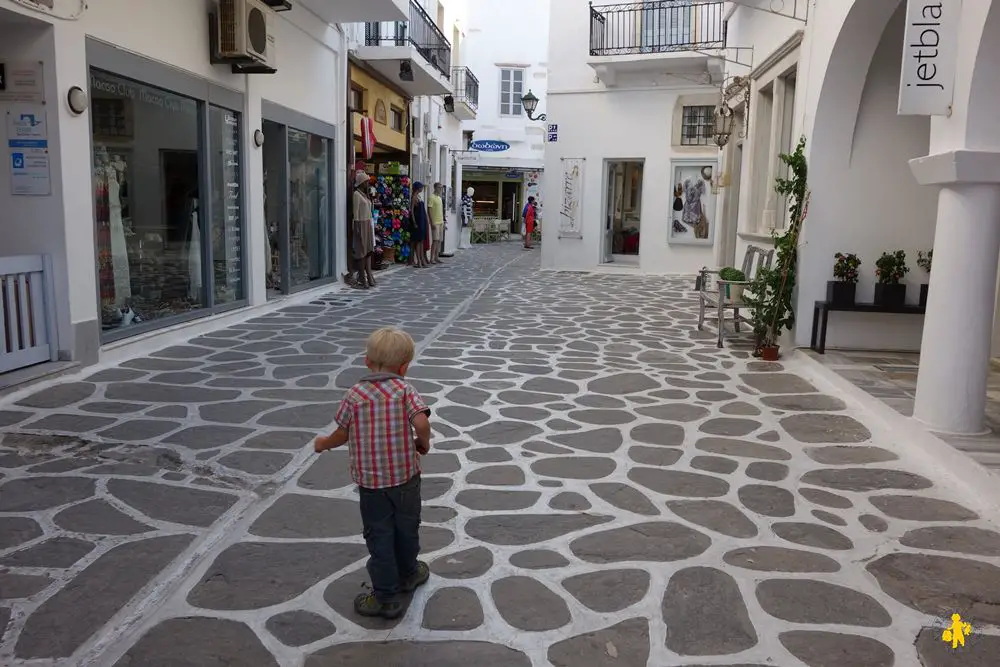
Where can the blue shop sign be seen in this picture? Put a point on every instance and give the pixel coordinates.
(489, 146)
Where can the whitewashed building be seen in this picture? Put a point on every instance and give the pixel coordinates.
(887, 171)
(161, 176)
(505, 148)
(631, 164)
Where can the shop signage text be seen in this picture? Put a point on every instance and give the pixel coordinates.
(930, 53)
(21, 82)
(489, 146)
(28, 150)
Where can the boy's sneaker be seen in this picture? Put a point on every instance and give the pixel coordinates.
(417, 579)
(367, 604)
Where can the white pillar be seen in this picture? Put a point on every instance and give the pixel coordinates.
(958, 327)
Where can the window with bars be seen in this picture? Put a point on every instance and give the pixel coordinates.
(697, 125)
(511, 89)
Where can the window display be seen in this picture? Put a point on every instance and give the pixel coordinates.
(153, 220)
(310, 230)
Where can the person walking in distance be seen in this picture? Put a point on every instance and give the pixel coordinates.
(418, 226)
(435, 209)
(529, 222)
(384, 423)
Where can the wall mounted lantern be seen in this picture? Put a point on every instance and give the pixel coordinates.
(724, 116)
(724, 119)
(530, 103)
(76, 99)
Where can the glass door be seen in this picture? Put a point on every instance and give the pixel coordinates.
(612, 208)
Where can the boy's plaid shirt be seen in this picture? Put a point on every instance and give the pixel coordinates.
(377, 413)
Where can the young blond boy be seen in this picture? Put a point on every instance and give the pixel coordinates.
(384, 423)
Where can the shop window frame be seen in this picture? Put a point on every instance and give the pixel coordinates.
(118, 63)
(288, 118)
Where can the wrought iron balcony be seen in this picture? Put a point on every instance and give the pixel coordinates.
(656, 26)
(466, 86)
(419, 32)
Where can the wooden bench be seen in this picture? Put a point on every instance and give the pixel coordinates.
(821, 315)
(713, 293)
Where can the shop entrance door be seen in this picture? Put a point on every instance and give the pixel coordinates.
(511, 206)
(623, 211)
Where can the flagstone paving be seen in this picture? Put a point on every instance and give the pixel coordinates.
(607, 489)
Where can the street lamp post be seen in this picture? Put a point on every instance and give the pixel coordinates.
(724, 119)
(530, 103)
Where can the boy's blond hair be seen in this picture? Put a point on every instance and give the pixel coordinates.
(389, 348)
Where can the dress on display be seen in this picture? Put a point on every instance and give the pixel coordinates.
(194, 256)
(119, 250)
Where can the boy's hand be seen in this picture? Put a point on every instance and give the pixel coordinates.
(320, 444)
(423, 447)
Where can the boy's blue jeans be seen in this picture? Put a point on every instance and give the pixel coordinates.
(391, 520)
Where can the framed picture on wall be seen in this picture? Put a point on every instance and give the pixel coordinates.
(692, 207)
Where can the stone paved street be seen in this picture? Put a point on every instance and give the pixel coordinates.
(607, 489)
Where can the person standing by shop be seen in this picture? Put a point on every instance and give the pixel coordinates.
(418, 226)
(435, 209)
(529, 222)
(363, 232)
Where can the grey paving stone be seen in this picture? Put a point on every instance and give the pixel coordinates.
(329, 397)
(450, 653)
(812, 535)
(162, 393)
(340, 594)
(177, 504)
(981, 650)
(820, 427)
(804, 403)
(551, 386)
(609, 591)
(256, 463)
(499, 475)
(742, 448)
(554, 424)
(151, 364)
(331, 470)
(769, 472)
(198, 642)
(434, 487)
(236, 412)
(297, 516)
(960, 539)
(538, 559)
(523, 529)
(819, 602)
(779, 559)
(729, 426)
(626, 643)
(59, 396)
(318, 416)
(519, 397)
(57, 628)
(57, 552)
(434, 538)
(825, 498)
(865, 479)
(777, 383)
(522, 413)
(98, 517)
(873, 523)
(453, 609)
(254, 575)
(468, 396)
(569, 501)
(207, 437)
(829, 517)
(599, 401)
(575, 467)
(623, 383)
(504, 432)
(602, 417)
(657, 542)
(658, 434)
(69, 423)
(716, 464)
(16, 586)
(705, 614)
(170, 412)
(40, 493)
(138, 429)
(467, 564)
(437, 514)
(489, 455)
(527, 604)
(767, 500)
(674, 412)
(715, 515)
(11, 417)
(833, 649)
(298, 628)
(115, 375)
(920, 508)
(625, 497)
(679, 482)
(849, 455)
(599, 441)
(462, 416)
(655, 456)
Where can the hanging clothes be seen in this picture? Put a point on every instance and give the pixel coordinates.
(119, 251)
(194, 255)
(367, 137)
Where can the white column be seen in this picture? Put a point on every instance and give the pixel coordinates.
(958, 327)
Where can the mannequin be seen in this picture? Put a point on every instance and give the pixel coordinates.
(119, 251)
(466, 239)
(194, 255)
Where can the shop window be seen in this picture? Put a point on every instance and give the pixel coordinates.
(150, 214)
(511, 89)
(310, 231)
(227, 210)
(697, 125)
(357, 99)
(396, 119)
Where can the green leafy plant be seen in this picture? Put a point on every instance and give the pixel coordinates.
(845, 268)
(731, 275)
(891, 267)
(770, 293)
(924, 260)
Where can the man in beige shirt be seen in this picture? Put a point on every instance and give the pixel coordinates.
(435, 210)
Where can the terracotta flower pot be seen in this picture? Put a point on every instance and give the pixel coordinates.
(769, 353)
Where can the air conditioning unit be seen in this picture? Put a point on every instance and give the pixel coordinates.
(246, 32)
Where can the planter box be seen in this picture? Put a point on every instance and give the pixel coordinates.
(839, 293)
(923, 295)
(734, 293)
(890, 296)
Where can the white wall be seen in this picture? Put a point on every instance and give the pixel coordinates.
(311, 79)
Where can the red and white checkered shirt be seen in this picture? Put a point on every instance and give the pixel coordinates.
(377, 413)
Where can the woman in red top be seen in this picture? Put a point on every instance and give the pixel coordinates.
(529, 222)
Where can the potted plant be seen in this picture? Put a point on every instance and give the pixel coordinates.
(769, 294)
(729, 276)
(889, 270)
(842, 291)
(924, 262)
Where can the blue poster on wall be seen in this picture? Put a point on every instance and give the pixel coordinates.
(489, 146)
